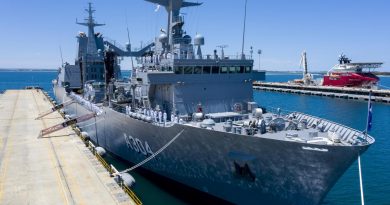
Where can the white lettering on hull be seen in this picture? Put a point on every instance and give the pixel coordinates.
(315, 149)
(136, 144)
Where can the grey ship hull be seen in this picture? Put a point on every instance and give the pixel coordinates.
(284, 172)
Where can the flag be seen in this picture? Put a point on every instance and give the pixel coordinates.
(369, 115)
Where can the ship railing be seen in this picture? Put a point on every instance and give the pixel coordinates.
(85, 103)
(212, 57)
(228, 57)
(348, 131)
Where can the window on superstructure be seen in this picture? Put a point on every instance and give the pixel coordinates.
(232, 69)
(188, 70)
(215, 70)
(248, 69)
(224, 69)
(179, 70)
(198, 70)
(240, 69)
(206, 70)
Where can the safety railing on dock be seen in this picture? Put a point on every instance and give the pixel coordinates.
(131, 194)
(104, 163)
(112, 171)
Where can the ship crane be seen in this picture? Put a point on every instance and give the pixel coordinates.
(307, 78)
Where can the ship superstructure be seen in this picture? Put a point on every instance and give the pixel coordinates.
(176, 76)
(216, 139)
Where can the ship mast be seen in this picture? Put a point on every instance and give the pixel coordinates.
(91, 24)
(175, 21)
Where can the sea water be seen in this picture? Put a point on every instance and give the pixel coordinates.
(375, 162)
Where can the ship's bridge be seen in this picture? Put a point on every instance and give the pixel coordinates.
(218, 85)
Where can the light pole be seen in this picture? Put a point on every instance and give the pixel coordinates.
(259, 52)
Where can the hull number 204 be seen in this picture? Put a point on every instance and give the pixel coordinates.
(136, 145)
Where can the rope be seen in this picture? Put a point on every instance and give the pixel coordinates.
(153, 155)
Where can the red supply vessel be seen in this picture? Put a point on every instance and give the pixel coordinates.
(347, 74)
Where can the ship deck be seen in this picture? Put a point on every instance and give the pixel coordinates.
(309, 133)
(54, 169)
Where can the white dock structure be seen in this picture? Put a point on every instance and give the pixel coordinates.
(53, 169)
(335, 92)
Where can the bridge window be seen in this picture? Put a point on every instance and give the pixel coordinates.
(188, 70)
(198, 70)
(240, 69)
(206, 70)
(248, 69)
(215, 70)
(179, 70)
(232, 69)
(224, 69)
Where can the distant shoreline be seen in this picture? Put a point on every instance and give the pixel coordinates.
(382, 73)
(27, 70)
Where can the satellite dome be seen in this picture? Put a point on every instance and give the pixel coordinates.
(163, 38)
(208, 122)
(187, 39)
(199, 40)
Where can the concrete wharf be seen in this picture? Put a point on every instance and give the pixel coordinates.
(335, 92)
(53, 169)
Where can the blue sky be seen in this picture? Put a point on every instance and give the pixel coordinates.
(32, 31)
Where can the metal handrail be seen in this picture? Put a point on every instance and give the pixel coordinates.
(369, 139)
(132, 195)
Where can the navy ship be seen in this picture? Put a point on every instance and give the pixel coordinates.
(191, 118)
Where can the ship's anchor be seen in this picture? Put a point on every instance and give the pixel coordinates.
(244, 171)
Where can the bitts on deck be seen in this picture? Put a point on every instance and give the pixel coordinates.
(54, 169)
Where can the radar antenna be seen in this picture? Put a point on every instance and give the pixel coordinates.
(222, 51)
(129, 44)
(62, 59)
(91, 24)
(243, 33)
(175, 21)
